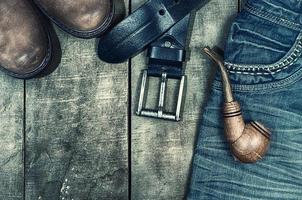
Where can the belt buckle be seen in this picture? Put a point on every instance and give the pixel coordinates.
(159, 112)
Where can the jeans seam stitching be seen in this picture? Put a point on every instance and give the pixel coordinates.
(272, 69)
(263, 86)
(274, 19)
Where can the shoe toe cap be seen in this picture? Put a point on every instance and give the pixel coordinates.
(23, 40)
(78, 15)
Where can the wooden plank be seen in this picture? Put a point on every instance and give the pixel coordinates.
(11, 134)
(161, 150)
(76, 133)
(241, 3)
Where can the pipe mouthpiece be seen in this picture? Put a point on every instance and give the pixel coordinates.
(228, 95)
(213, 55)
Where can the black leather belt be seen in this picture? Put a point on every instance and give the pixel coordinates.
(162, 26)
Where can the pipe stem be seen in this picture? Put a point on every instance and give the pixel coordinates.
(227, 88)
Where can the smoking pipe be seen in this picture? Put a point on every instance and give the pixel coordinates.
(249, 142)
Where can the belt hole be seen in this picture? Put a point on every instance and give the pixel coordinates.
(162, 12)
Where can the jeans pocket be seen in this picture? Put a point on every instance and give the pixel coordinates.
(261, 55)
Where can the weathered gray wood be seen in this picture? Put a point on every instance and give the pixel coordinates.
(76, 125)
(76, 133)
(162, 151)
(11, 134)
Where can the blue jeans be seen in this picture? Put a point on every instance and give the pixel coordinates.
(263, 56)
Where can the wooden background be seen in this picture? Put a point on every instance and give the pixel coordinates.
(74, 134)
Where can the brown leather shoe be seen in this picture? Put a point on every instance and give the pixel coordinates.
(25, 44)
(83, 18)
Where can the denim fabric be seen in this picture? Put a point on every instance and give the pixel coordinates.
(263, 56)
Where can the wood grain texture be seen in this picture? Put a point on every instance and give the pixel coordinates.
(76, 128)
(76, 124)
(11, 134)
(161, 150)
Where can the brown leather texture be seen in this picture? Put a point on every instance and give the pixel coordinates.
(80, 15)
(23, 41)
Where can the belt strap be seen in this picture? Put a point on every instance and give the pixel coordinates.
(163, 26)
(166, 57)
(168, 53)
(142, 27)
